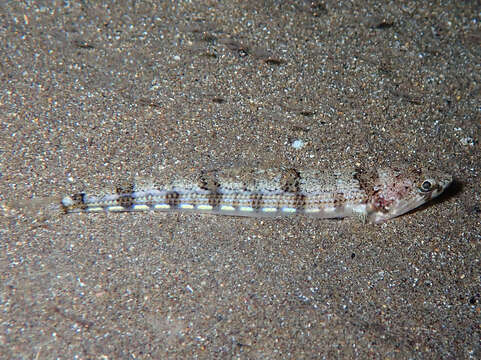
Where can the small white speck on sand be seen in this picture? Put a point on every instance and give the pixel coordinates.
(298, 144)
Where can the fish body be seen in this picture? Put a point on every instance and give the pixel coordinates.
(372, 195)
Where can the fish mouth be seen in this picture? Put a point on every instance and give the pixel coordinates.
(399, 208)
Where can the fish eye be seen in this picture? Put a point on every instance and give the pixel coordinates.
(426, 186)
